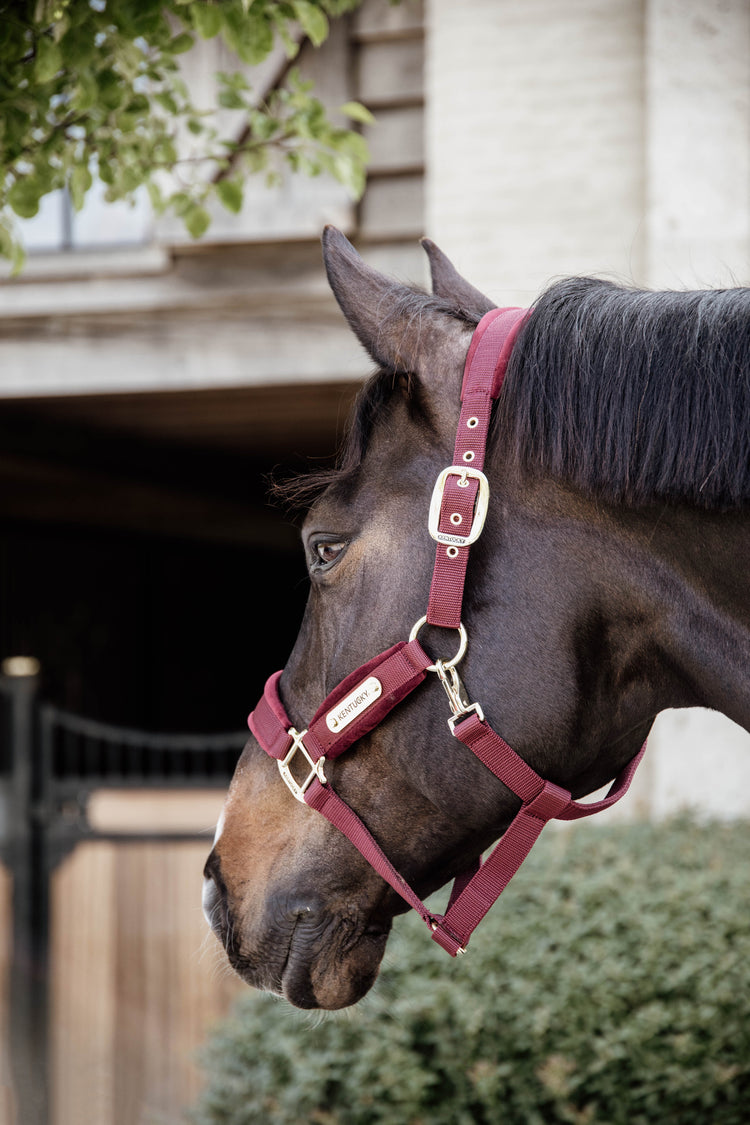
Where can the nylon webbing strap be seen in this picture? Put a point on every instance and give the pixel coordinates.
(484, 371)
(397, 671)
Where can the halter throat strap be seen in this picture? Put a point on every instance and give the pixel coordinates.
(365, 697)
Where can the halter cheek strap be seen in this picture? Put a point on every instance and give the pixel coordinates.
(362, 700)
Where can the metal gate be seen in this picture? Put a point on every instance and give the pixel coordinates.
(54, 768)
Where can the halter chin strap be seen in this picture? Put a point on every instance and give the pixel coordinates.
(364, 698)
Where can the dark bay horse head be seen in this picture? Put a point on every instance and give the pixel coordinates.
(610, 582)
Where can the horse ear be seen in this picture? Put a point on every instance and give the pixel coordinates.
(404, 331)
(448, 283)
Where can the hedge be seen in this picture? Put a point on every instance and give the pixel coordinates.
(609, 985)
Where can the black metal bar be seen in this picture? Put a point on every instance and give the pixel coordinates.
(53, 758)
(28, 984)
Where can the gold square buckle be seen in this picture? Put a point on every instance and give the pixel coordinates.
(296, 788)
(480, 510)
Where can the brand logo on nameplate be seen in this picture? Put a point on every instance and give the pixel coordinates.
(355, 703)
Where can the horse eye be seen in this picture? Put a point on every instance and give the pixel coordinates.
(327, 553)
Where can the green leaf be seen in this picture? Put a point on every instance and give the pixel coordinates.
(197, 221)
(180, 203)
(112, 89)
(156, 197)
(79, 182)
(180, 44)
(312, 20)
(48, 59)
(230, 194)
(166, 101)
(357, 112)
(250, 35)
(350, 174)
(207, 19)
(230, 99)
(10, 247)
(24, 199)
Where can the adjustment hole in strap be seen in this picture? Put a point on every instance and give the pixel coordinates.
(469, 455)
(472, 422)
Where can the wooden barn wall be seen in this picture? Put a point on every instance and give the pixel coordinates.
(388, 57)
(137, 981)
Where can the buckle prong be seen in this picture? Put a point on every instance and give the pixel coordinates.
(464, 473)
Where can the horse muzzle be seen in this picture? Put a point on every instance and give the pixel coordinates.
(311, 957)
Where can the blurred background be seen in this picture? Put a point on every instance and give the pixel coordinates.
(149, 383)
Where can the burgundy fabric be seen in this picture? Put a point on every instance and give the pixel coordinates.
(484, 371)
(326, 801)
(402, 668)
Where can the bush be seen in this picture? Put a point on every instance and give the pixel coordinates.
(609, 985)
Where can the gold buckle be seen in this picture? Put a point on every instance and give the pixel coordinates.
(316, 768)
(480, 511)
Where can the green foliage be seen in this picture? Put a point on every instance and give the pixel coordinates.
(93, 88)
(608, 987)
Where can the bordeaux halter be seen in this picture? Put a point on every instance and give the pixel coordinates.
(363, 699)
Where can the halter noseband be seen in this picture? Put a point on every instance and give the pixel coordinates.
(363, 699)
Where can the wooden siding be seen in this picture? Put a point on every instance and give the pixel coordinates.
(137, 980)
(388, 57)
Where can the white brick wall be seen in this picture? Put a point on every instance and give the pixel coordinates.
(698, 143)
(535, 131)
(605, 136)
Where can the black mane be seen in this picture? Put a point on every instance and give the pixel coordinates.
(632, 395)
(635, 396)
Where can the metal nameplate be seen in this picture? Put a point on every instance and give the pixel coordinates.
(354, 704)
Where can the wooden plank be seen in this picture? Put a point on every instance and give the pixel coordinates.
(137, 982)
(393, 207)
(396, 141)
(265, 420)
(84, 1008)
(123, 811)
(390, 73)
(381, 19)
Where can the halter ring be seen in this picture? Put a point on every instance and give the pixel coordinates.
(463, 641)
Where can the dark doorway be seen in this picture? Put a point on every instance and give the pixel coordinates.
(140, 561)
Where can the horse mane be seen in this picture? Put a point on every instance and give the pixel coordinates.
(634, 395)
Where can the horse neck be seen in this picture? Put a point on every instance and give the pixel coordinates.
(614, 615)
(702, 586)
(675, 588)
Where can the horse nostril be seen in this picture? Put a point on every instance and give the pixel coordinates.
(210, 900)
(214, 902)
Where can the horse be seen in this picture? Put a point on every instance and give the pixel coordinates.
(609, 582)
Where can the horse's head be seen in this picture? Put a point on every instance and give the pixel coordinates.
(299, 911)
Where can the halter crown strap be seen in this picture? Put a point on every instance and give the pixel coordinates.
(366, 696)
(484, 372)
